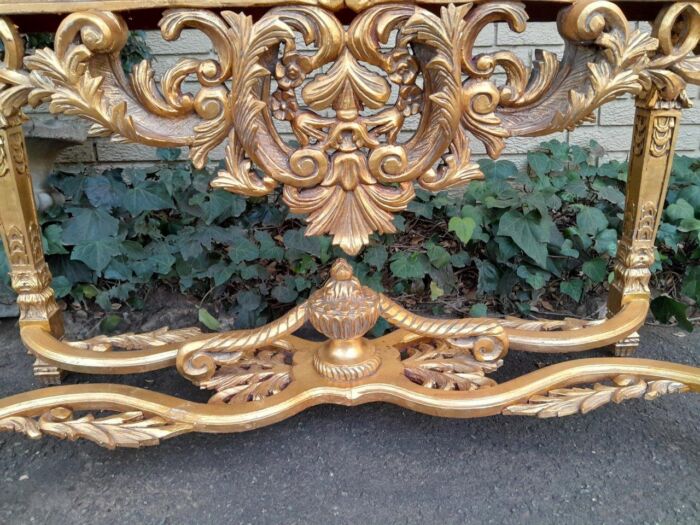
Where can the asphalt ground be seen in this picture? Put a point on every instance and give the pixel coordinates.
(637, 462)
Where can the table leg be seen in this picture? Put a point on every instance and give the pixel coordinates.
(21, 235)
(651, 157)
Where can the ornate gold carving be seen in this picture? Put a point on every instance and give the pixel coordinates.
(130, 341)
(662, 136)
(360, 361)
(344, 311)
(568, 401)
(18, 151)
(436, 364)
(343, 308)
(144, 417)
(16, 247)
(352, 170)
(639, 137)
(484, 337)
(251, 377)
(546, 325)
(198, 361)
(129, 429)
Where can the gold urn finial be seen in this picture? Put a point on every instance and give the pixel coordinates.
(344, 311)
(343, 308)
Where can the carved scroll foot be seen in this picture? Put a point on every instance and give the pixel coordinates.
(627, 347)
(46, 374)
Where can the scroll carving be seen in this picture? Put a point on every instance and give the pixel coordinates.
(251, 377)
(353, 167)
(343, 311)
(442, 366)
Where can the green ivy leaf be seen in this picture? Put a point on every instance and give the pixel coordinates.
(567, 249)
(243, 249)
(296, 240)
(96, 254)
(52, 237)
(463, 228)
(435, 291)
(573, 288)
(689, 225)
(533, 276)
(438, 256)
(409, 265)
(110, 324)
(539, 162)
(61, 286)
(596, 270)
(528, 232)
(679, 211)
(488, 277)
(478, 310)
(421, 209)
(146, 197)
(376, 256)
(88, 224)
(665, 308)
(284, 294)
(459, 259)
(104, 192)
(590, 220)
(691, 283)
(269, 250)
(249, 300)
(606, 242)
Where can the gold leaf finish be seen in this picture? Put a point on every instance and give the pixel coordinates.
(254, 377)
(128, 429)
(444, 367)
(353, 169)
(567, 401)
(346, 92)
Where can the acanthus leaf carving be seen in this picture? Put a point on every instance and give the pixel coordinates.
(577, 400)
(127, 429)
(355, 166)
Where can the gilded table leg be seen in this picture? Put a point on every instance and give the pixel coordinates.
(653, 144)
(21, 235)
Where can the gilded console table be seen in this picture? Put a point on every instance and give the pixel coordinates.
(349, 175)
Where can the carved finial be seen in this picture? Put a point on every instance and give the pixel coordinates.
(341, 270)
(344, 311)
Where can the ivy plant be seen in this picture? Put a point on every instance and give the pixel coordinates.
(527, 241)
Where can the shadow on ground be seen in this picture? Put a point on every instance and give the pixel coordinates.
(638, 462)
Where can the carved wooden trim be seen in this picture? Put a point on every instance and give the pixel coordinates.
(353, 169)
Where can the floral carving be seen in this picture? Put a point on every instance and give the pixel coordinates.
(353, 169)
